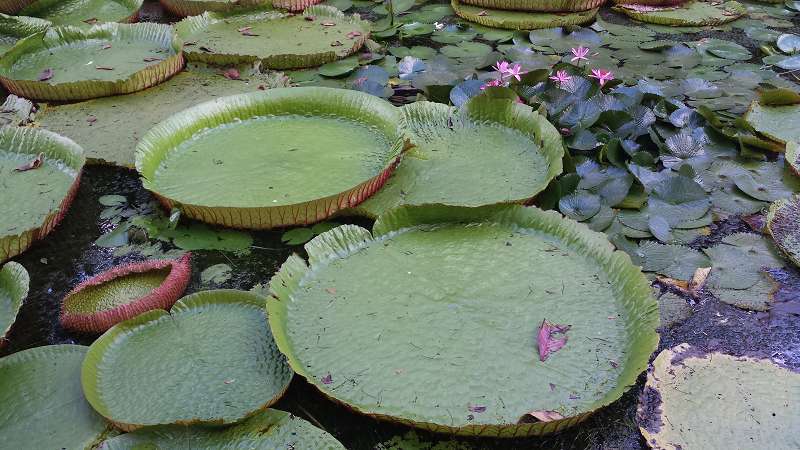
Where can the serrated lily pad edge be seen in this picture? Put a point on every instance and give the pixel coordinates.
(53, 146)
(162, 297)
(16, 281)
(523, 22)
(346, 239)
(22, 26)
(13, 6)
(161, 138)
(89, 372)
(150, 75)
(538, 5)
(190, 25)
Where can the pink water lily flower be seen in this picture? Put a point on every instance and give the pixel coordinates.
(561, 76)
(501, 66)
(580, 54)
(492, 83)
(515, 72)
(603, 76)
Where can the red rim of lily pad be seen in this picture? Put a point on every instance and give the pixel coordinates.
(162, 297)
(294, 5)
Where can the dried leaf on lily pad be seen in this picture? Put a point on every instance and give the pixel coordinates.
(35, 163)
(45, 75)
(541, 416)
(551, 338)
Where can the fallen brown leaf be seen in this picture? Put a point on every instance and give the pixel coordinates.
(35, 163)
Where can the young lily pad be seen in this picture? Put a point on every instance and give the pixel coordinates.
(408, 289)
(278, 40)
(14, 28)
(520, 20)
(14, 281)
(267, 430)
(716, 401)
(778, 123)
(558, 6)
(206, 158)
(40, 170)
(80, 12)
(124, 292)
(783, 223)
(210, 360)
(68, 63)
(697, 13)
(184, 8)
(43, 404)
(452, 162)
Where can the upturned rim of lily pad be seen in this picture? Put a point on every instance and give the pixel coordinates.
(347, 240)
(149, 75)
(783, 224)
(22, 26)
(162, 297)
(185, 8)
(40, 7)
(15, 281)
(521, 20)
(538, 5)
(154, 147)
(33, 141)
(727, 11)
(13, 6)
(189, 26)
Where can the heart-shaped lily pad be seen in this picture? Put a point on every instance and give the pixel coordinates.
(40, 170)
(14, 28)
(783, 223)
(454, 163)
(42, 402)
(68, 63)
(184, 8)
(80, 12)
(696, 13)
(268, 430)
(278, 40)
(14, 282)
(716, 401)
(124, 292)
(211, 360)
(520, 20)
(213, 162)
(451, 291)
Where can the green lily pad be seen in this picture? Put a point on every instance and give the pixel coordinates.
(339, 68)
(43, 405)
(525, 154)
(184, 8)
(109, 128)
(539, 6)
(775, 122)
(46, 191)
(788, 43)
(737, 261)
(696, 400)
(80, 12)
(210, 360)
(520, 20)
(418, 261)
(14, 281)
(792, 156)
(783, 223)
(14, 28)
(267, 430)
(67, 63)
(278, 40)
(674, 261)
(310, 176)
(697, 13)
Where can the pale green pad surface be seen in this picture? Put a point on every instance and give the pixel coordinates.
(272, 161)
(40, 190)
(781, 123)
(14, 281)
(41, 402)
(75, 12)
(269, 430)
(521, 20)
(119, 291)
(694, 13)
(211, 359)
(423, 324)
(78, 61)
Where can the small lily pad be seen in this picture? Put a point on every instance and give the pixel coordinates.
(14, 281)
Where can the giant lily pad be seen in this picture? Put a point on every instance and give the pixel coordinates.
(79, 12)
(124, 292)
(490, 151)
(697, 13)
(211, 359)
(184, 8)
(68, 63)
(14, 282)
(777, 122)
(450, 292)
(716, 401)
(520, 20)
(278, 40)
(783, 223)
(558, 6)
(42, 403)
(268, 430)
(45, 191)
(14, 28)
(213, 162)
